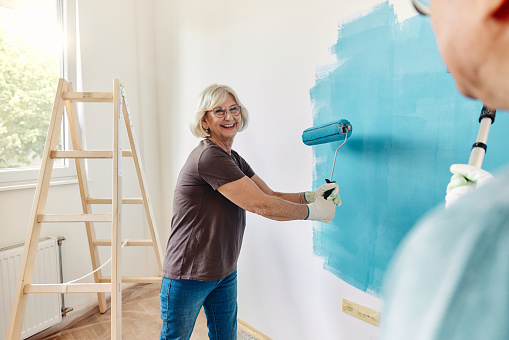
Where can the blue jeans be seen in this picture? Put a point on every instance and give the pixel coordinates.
(181, 301)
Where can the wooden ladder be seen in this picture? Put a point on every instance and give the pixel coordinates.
(66, 98)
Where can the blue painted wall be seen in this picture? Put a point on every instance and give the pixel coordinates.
(409, 125)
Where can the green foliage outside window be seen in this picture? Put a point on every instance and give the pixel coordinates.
(28, 80)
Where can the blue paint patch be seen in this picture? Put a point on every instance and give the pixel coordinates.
(409, 125)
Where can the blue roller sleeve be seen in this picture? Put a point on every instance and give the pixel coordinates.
(326, 133)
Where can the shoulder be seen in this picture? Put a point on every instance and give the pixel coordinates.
(236, 155)
(210, 152)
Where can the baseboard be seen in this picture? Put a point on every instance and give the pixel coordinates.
(247, 332)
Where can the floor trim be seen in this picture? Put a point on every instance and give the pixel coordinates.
(251, 331)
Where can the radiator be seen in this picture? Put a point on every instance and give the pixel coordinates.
(43, 310)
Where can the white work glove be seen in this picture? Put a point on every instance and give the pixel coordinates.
(321, 210)
(311, 196)
(464, 179)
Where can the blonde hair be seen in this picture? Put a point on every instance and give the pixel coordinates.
(213, 96)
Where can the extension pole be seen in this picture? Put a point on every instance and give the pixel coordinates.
(479, 148)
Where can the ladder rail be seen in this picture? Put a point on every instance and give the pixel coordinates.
(116, 225)
(34, 228)
(76, 142)
(141, 180)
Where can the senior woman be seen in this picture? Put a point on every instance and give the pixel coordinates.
(214, 189)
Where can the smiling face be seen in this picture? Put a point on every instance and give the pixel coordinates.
(222, 130)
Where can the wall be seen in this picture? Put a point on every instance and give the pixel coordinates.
(117, 42)
(410, 123)
(390, 83)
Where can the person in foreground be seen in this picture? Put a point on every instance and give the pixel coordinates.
(214, 189)
(449, 278)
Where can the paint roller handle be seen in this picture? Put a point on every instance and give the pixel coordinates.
(466, 176)
(329, 187)
(328, 192)
(479, 148)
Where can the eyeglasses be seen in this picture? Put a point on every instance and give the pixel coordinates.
(422, 6)
(220, 112)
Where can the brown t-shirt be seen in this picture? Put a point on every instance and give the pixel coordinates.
(207, 228)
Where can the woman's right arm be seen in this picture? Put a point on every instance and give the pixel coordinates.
(259, 199)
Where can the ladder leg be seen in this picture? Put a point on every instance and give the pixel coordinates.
(76, 140)
(141, 180)
(34, 228)
(116, 225)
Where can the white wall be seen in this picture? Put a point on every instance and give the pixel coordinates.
(117, 42)
(166, 52)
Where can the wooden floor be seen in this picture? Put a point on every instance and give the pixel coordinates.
(140, 319)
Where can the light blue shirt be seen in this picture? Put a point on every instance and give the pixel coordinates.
(449, 279)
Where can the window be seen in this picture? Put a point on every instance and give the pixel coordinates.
(33, 56)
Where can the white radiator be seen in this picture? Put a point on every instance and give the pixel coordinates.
(43, 310)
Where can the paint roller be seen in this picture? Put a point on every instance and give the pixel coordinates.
(327, 133)
(486, 118)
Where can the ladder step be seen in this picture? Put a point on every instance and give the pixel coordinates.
(71, 288)
(108, 200)
(88, 154)
(82, 154)
(74, 218)
(98, 97)
(131, 243)
(134, 279)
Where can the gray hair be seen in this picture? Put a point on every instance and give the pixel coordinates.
(213, 96)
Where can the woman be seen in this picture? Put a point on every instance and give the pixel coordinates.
(214, 189)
